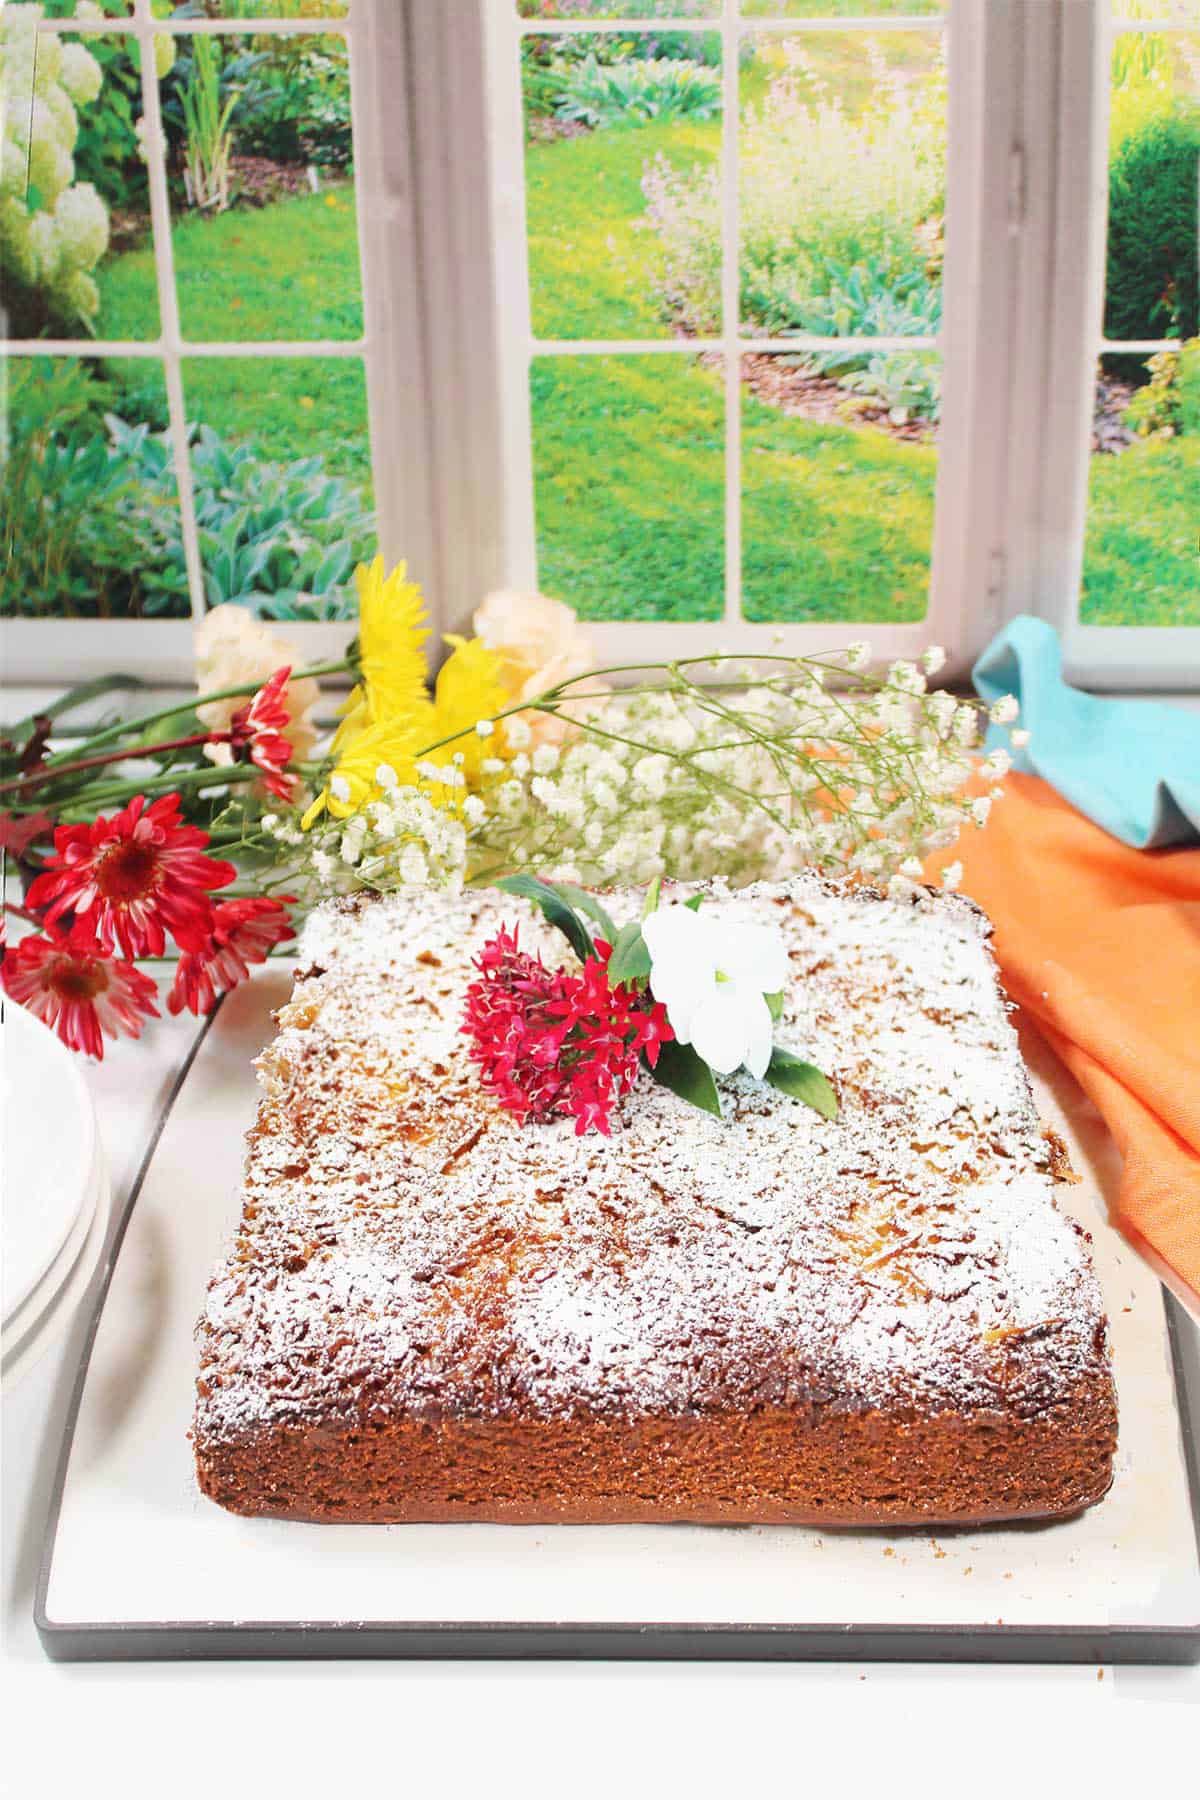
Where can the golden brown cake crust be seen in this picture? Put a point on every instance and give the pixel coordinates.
(432, 1312)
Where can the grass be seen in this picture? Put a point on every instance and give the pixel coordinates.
(1140, 552)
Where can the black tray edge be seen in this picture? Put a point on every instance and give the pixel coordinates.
(290, 1640)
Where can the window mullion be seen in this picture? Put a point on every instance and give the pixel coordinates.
(168, 305)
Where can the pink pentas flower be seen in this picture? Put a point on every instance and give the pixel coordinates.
(256, 735)
(68, 981)
(243, 932)
(134, 877)
(552, 1044)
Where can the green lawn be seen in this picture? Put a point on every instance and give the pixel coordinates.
(628, 453)
(1140, 554)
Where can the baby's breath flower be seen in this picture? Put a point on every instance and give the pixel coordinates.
(1018, 738)
(998, 761)
(933, 659)
(979, 809)
(966, 726)
(1004, 710)
(517, 731)
(484, 727)
(952, 875)
(857, 656)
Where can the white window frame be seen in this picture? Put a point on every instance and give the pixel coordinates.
(447, 338)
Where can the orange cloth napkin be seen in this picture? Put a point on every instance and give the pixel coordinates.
(1101, 944)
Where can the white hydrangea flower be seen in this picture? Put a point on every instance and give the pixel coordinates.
(82, 221)
(712, 979)
(80, 74)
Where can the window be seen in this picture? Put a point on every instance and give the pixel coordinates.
(1117, 536)
(722, 430)
(722, 319)
(186, 401)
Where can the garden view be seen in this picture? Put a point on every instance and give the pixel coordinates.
(842, 178)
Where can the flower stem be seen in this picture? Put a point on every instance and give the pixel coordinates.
(38, 777)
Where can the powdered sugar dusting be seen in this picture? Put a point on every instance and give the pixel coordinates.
(408, 1248)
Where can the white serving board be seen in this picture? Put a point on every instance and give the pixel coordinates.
(138, 1563)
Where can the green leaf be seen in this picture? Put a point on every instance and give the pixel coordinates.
(528, 887)
(775, 1004)
(688, 1075)
(802, 1081)
(693, 905)
(652, 894)
(587, 903)
(630, 959)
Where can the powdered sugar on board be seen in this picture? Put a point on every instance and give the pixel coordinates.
(407, 1247)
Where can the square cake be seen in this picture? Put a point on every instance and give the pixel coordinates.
(433, 1311)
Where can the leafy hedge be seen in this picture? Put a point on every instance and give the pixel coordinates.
(1154, 194)
(91, 525)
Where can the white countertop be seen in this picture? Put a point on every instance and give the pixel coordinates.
(235, 1730)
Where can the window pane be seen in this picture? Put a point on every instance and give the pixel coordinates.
(264, 226)
(619, 9)
(629, 487)
(1154, 145)
(75, 180)
(67, 9)
(842, 177)
(90, 526)
(282, 481)
(1140, 548)
(838, 477)
(840, 9)
(277, 9)
(609, 121)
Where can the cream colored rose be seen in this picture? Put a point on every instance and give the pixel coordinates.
(233, 648)
(540, 643)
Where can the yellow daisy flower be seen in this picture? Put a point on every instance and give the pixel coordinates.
(469, 688)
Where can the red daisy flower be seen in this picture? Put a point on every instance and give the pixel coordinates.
(135, 876)
(67, 981)
(256, 735)
(243, 931)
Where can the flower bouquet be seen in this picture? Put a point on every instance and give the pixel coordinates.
(186, 841)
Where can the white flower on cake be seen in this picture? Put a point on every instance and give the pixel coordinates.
(713, 980)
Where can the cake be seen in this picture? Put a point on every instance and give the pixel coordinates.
(433, 1311)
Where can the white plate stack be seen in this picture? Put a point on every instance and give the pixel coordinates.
(56, 1194)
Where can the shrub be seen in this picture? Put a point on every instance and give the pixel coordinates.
(83, 535)
(295, 104)
(1154, 193)
(595, 94)
(91, 525)
(869, 300)
(1169, 404)
(53, 229)
(823, 191)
